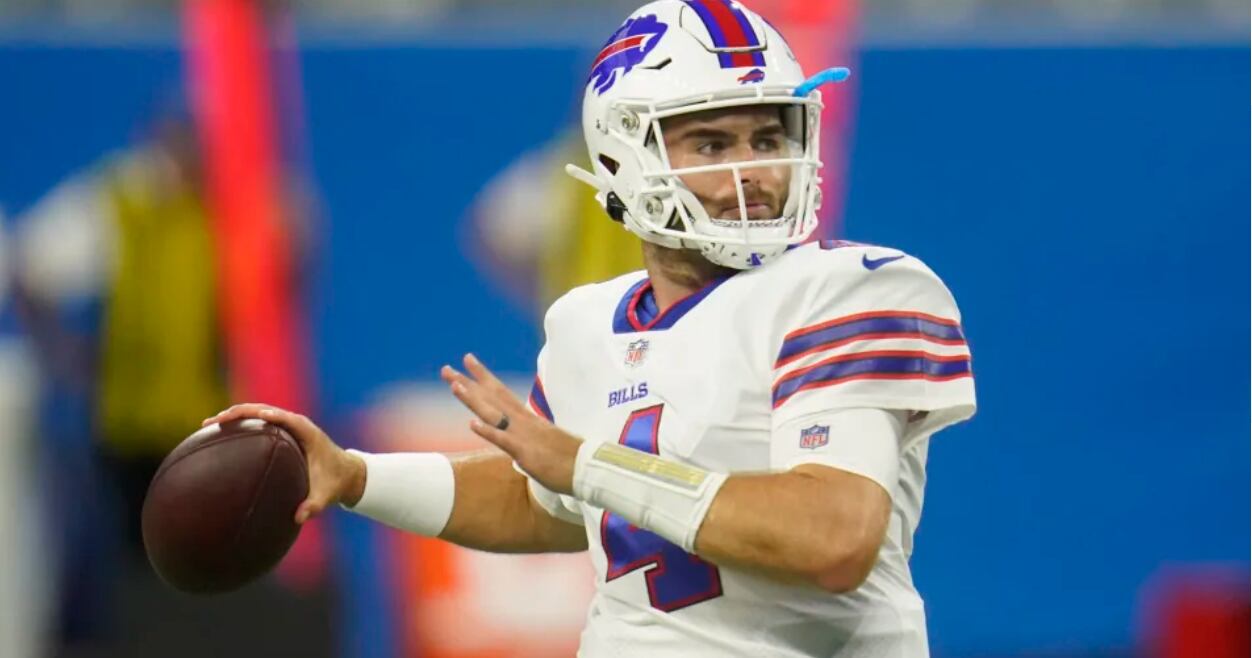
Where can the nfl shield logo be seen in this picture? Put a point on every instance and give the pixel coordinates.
(815, 437)
(636, 351)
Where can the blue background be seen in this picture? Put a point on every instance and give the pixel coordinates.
(1089, 208)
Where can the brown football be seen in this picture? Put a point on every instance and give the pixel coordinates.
(220, 511)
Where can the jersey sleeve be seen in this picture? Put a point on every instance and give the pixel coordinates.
(888, 338)
(862, 441)
(560, 506)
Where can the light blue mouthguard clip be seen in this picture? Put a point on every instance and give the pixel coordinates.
(837, 74)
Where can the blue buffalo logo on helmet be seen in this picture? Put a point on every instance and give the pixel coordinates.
(755, 75)
(628, 46)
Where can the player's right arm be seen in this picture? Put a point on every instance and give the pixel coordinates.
(494, 510)
(477, 499)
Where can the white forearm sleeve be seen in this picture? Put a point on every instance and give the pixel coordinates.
(410, 491)
(663, 496)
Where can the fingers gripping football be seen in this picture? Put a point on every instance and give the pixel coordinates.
(334, 475)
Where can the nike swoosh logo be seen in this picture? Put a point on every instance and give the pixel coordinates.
(875, 263)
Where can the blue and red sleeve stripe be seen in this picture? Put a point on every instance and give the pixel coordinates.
(729, 28)
(886, 364)
(539, 400)
(868, 326)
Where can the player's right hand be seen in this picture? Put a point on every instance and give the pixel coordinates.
(335, 476)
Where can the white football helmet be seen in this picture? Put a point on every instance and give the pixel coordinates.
(675, 57)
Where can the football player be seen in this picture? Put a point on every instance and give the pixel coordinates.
(738, 434)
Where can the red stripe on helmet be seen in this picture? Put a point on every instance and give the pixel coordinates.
(729, 24)
(617, 47)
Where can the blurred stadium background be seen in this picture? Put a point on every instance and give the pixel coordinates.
(317, 203)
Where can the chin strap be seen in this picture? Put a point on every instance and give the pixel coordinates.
(837, 74)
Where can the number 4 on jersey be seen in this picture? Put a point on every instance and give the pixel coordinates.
(676, 578)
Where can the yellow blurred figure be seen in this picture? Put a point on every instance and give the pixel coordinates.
(160, 366)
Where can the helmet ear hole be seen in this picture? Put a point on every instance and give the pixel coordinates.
(612, 203)
(614, 206)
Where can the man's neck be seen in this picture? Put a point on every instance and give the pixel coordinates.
(676, 273)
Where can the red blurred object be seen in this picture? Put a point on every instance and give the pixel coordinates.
(228, 65)
(1199, 612)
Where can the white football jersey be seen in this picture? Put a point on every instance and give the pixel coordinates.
(739, 377)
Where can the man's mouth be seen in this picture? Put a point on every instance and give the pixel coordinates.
(755, 210)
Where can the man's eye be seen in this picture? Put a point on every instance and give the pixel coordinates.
(711, 148)
(767, 144)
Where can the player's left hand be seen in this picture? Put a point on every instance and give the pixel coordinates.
(543, 450)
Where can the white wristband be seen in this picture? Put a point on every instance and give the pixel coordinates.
(666, 497)
(411, 491)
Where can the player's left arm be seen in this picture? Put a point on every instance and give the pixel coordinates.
(813, 523)
(867, 349)
(823, 518)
